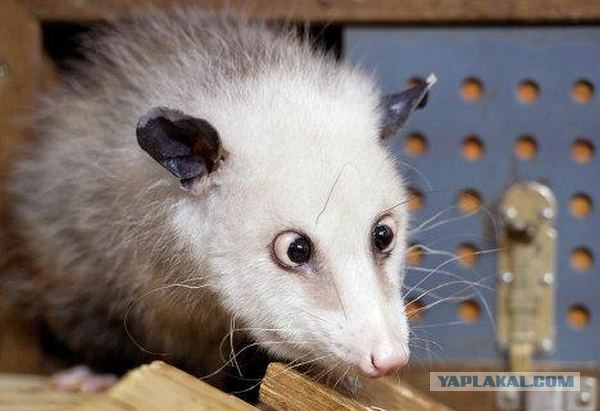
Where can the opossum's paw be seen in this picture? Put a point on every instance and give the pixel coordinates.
(82, 379)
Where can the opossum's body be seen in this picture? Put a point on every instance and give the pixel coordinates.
(114, 236)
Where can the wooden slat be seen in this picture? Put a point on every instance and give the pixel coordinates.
(286, 389)
(23, 73)
(20, 55)
(35, 393)
(428, 11)
(391, 394)
(159, 386)
(21, 64)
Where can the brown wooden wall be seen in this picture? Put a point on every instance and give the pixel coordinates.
(372, 11)
(24, 72)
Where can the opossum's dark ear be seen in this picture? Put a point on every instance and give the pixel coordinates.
(189, 147)
(397, 108)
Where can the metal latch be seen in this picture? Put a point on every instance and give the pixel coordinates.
(586, 399)
(527, 275)
(583, 400)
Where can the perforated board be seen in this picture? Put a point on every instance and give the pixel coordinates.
(549, 137)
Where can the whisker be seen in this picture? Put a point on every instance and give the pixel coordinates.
(342, 376)
(232, 352)
(286, 369)
(424, 293)
(139, 299)
(419, 172)
(431, 219)
(240, 351)
(450, 323)
(448, 261)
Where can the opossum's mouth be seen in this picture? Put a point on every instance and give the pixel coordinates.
(383, 361)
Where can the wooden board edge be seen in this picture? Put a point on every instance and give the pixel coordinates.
(343, 11)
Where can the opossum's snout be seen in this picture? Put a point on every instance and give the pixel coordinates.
(384, 358)
(378, 346)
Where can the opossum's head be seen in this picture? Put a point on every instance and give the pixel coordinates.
(296, 213)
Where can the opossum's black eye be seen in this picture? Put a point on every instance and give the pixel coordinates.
(383, 235)
(292, 249)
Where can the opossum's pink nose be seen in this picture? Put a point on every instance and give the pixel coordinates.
(385, 360)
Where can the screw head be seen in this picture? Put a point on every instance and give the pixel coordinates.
(507, 277)
(546, 345)
(547, 213)
(585, 397)
(511, 213)
(548, 278)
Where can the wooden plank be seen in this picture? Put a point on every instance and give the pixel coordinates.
(35, 393)
(23, 72)
(401, 11)
(286, 389)
(391, 394)
(159, 386)
(20, 46)
(21, 65)
(156, 386)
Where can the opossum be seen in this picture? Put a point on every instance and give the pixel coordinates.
(199, 177)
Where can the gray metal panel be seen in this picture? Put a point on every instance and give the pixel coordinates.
(500, 57)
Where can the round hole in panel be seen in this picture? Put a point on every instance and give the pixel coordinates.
(526, 148)
(581, 205)
(528, 91)
(582, 150)
(578, 316)
(468, 201)
(472, 89)
(582, 259)
(415, 254)
(472, 148)
(466, 255)
(469, 311)
(416, 199)
(582, 91)
(415, 144)
(414, 311)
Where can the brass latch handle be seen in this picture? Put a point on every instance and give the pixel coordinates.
(526, 273)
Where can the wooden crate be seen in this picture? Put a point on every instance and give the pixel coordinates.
(371, 11)
(25, 71)
(158, 386)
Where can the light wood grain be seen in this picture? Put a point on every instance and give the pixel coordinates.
(159, 386)
(429, 11)
(391, 394)
(36, 393)
(286, 389)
